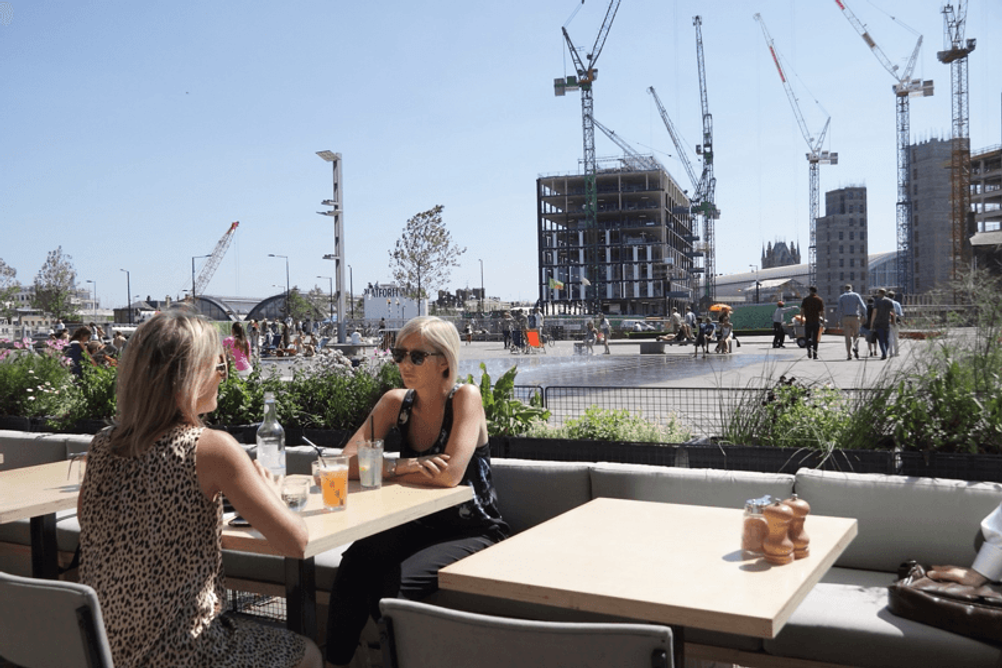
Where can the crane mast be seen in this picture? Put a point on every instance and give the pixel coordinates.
(954, 53)
(707, 181)
(586, 75)
(904, 89)
(209, 268)
(815, 156)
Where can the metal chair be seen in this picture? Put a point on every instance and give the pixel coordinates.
(417, 635)
(50, 623)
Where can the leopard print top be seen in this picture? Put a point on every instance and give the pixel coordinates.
(150, 547)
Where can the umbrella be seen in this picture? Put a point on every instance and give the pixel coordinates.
(720, 307)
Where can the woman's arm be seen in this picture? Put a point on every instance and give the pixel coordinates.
(377, 425)
(469, 424)
(223, 466)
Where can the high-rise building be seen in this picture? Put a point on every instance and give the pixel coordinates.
(638, 260)
(932, 228)
(842, 243)
(986, 188)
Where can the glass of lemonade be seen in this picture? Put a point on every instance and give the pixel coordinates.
(370, 463)
(334, 482)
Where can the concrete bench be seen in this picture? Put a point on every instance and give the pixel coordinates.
(652, 347)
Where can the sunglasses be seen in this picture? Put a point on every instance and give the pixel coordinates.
(223, 370)
(417, 356)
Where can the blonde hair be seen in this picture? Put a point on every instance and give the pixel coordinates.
(440, 335)
(161, 376)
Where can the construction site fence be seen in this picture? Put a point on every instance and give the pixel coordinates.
(704, 410)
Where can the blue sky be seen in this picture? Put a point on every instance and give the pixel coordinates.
(133, 133)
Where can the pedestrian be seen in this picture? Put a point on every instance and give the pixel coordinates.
(880, 320)
(812, 310)
(850, 309)
(591, 336)
(605, 330)
(778, 333)
(689, 325)
(703, 336)
(892, 337)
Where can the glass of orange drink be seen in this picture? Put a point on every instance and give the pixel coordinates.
(334, 482)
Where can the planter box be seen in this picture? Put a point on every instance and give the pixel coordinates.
(860, 461)
(746, 458)
(955, 465)
(584, 451)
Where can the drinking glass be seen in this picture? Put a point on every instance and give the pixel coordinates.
(295, 492)
(370, 463)
(78, 467)
(334, 482)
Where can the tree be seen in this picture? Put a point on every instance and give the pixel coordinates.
(301, 308)
(424, 254)
(54, 286)
(8, 289)
(321, 300)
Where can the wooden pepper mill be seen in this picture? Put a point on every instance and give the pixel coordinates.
(801, 540)
(777, 545)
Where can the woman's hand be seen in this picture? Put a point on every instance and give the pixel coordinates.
(964, 576)
(429, 465)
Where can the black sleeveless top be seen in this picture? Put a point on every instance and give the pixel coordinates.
(480, 513)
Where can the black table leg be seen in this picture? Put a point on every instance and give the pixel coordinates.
(678, 645)
(44, 552)
(301, 596)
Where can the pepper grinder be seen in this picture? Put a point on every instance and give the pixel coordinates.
(801, 540)
(777, 545)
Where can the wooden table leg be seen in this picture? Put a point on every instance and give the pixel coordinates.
(44, 551)
(301, 596)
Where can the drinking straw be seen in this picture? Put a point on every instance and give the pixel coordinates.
(372, 428)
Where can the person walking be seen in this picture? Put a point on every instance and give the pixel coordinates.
(880, 320)
(778, 333)
(812, 310)
(850, 308)
(892, 332)
(605, 329)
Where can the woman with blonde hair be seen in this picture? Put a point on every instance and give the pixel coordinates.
(150, 511)
(441, 430)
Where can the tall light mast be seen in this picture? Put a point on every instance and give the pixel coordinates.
(815, 156)
(586, 75)
(904, 89)
(954, 53)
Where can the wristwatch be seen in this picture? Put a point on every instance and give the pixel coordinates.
(391, 468)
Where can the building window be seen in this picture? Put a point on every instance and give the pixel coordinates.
(841, 262)
(840, 250)
(840, 235)
(852, 262)
(852, 276)
(852, 250)
(852, 235)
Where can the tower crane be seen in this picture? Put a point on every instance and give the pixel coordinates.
(696, 201)
(707, 181)
(904, 89)
(815, 156)
(954, 53)
(635, 161)
(585, 77)
(209, 268)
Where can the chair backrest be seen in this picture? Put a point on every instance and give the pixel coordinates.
(532, 337)
(50, 623)
(417, 635)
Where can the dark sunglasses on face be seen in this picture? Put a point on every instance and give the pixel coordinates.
(222, 369)
(417, 356)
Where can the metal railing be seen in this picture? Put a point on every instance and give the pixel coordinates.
(702, 409)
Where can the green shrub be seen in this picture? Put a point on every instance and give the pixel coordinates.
(602, 424)
(506, 415)
(35, 385)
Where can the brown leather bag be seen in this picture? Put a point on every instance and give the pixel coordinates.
(975, 612)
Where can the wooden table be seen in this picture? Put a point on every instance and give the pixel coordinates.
(36, 493)
(658, 562)
(369, 511)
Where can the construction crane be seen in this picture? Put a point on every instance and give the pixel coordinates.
(209, 268)
(633, 160)
(815, 156)
(904, 89)
(696, 200)
(585, 77)
(707, 181)
(954, 53)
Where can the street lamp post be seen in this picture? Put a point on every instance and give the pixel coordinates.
(351, 292)
(128, 292)
(339, 255)
(755, 270)
(93, 297)
(481, 286)
(287, 288)
(332, 295)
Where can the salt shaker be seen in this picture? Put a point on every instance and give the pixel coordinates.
(801, 541)
(754, 528)
(777, 545)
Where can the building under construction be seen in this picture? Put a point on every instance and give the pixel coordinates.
(638, 259)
